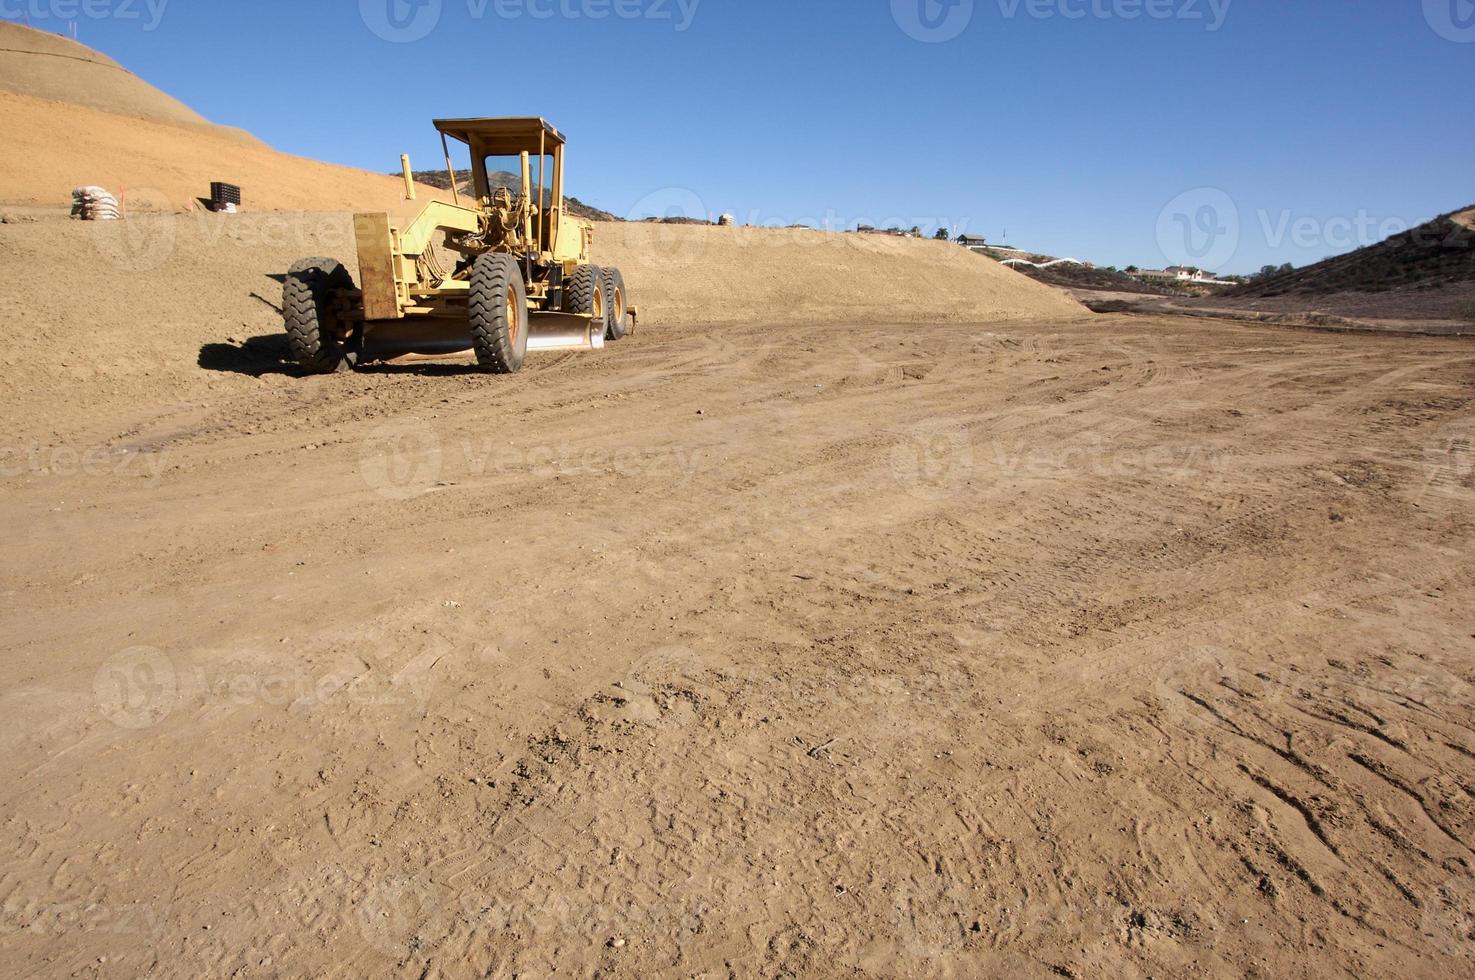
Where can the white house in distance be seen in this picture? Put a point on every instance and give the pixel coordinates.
(977, 243)
(1177, 273)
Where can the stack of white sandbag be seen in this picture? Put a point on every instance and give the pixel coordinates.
(94, 204)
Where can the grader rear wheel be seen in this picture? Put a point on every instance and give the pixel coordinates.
(585, 294)
(616, 302)
(499, 313)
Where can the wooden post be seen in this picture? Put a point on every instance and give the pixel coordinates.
(404, 161)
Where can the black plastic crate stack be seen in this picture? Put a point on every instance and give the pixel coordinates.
(223, 194)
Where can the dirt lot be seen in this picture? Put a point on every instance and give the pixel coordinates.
(1418, 308)
(1384, 313)
(1089, 647)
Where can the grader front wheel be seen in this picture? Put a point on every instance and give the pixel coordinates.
(499, 313)
(315, 338)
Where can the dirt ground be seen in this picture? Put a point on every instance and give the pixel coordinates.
(167, 309)
(1426, 314)
(875, 611)
(1081, 647)
(1420, 308)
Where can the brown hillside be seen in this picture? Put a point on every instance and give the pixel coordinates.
(48, 66)
(53, 147)
(693, 274)
(73, 116)
(1440, 253)
(1426, 273)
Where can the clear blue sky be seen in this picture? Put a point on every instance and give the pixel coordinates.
(1067, 122)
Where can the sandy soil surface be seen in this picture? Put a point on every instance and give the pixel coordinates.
(1082, 646)
(700, 275)
(1380, 314)
(154, 299)
(1444, 304)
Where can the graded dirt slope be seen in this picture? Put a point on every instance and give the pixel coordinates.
(694, 274)
(58, 69)
(72, 116)
(163, 291)
(52, 147)
(1102, 648)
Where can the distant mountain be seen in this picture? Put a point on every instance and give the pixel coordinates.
(1432, 256)
(439, 178)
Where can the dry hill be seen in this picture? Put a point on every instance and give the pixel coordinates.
(73, 116)
(705, 274)
(54, 146)
(48, 66)
(1425, 273)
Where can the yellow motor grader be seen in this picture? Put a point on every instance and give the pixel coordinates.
(503, 275)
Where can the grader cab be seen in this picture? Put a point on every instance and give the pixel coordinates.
(500, 275)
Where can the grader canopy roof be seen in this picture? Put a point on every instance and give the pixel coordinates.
(502, 136)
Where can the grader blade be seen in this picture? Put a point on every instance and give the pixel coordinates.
(436, 337)
(421, 337)
(564, 331)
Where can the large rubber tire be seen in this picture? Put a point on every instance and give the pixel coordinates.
(314, 336)
(617, 303)
(499, 313)
(584, 293)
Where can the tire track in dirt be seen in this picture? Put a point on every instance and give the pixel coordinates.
(803, 711)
